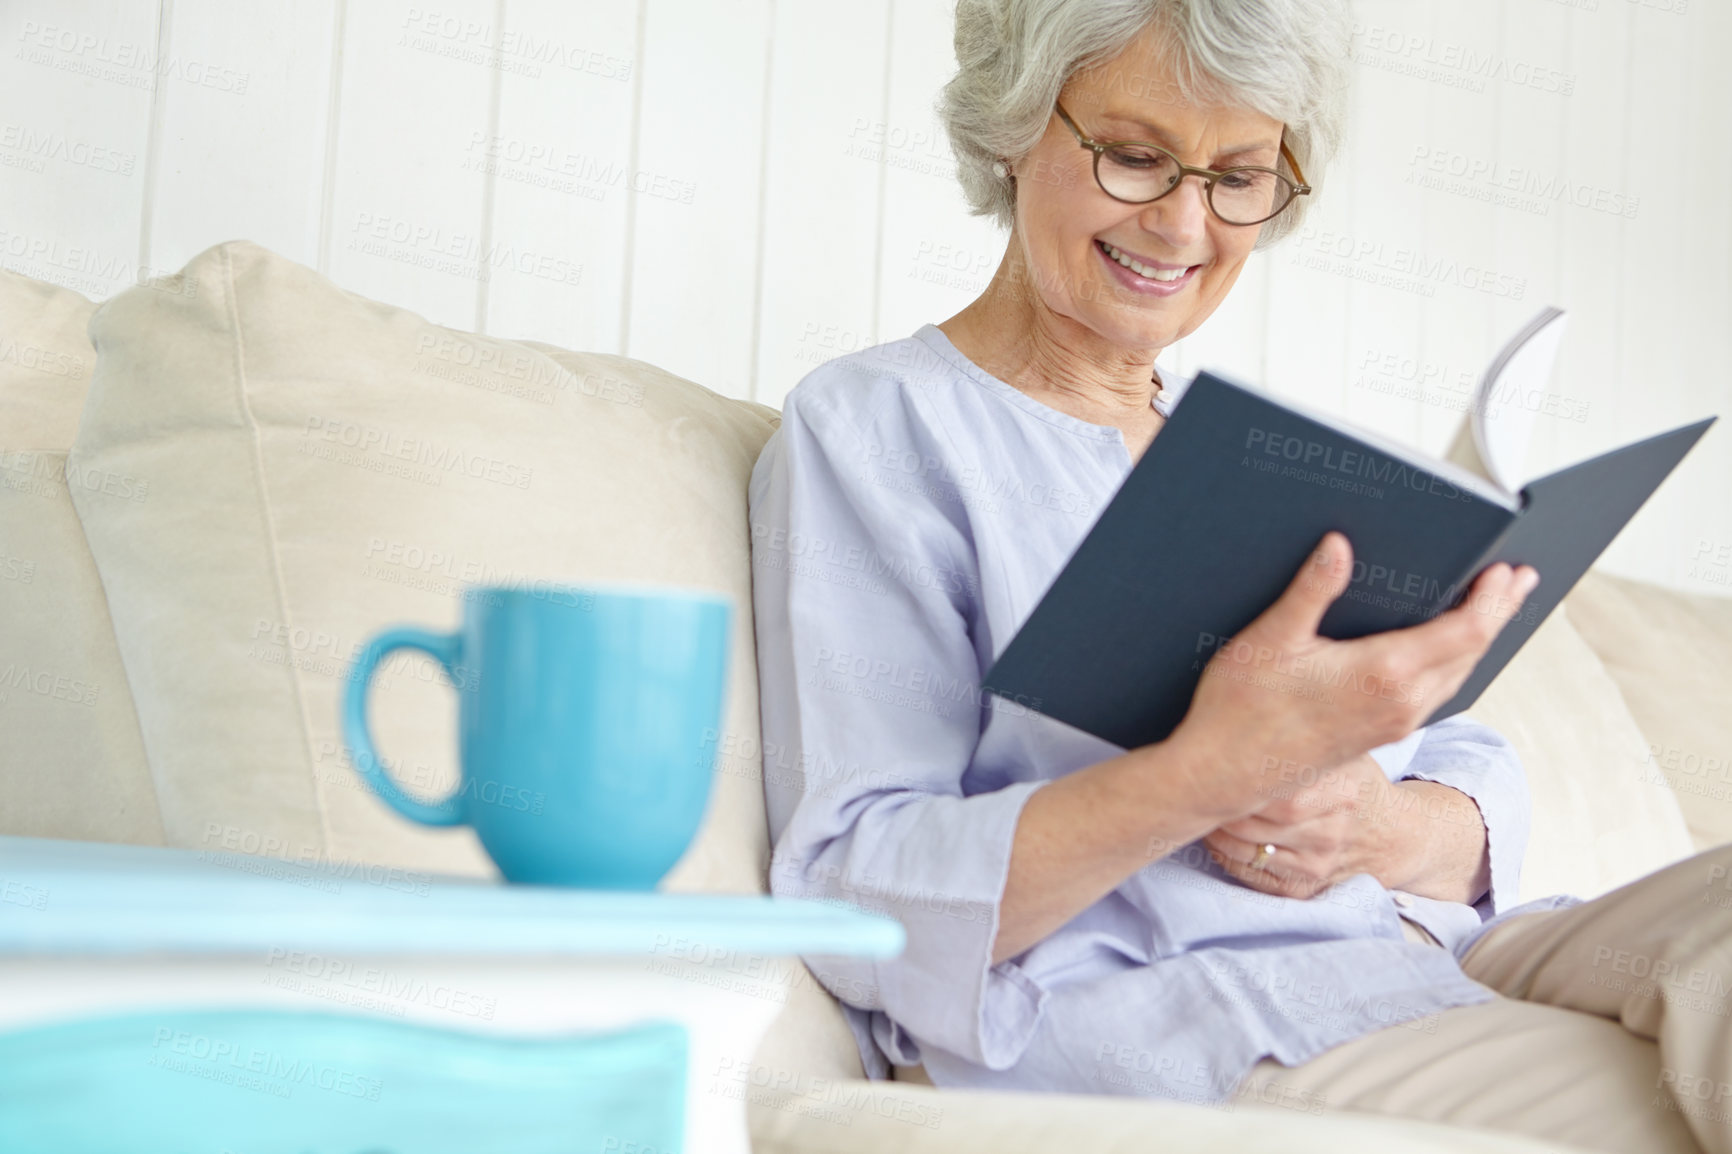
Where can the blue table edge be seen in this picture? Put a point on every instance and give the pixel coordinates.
(60, 898)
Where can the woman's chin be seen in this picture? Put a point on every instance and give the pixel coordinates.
(1145, 328)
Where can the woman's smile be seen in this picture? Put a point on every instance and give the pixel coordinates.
(1156, 278)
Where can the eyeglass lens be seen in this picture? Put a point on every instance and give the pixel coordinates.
(1244, 196)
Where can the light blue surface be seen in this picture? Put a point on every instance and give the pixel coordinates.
(66, 897)
(255, 1082)
(587, 719)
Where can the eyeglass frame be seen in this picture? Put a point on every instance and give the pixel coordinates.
(1209, 175)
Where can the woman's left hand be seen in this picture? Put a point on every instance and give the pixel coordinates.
(1418, 836)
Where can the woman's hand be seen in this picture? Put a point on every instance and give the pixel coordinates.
(1321, 828)
(1279, 693)
(1419, 836)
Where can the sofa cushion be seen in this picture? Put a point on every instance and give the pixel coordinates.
(72, 763)
(798, 1115)
(1595, 825)
(1671, 655)
(322, 466)
(45, 362)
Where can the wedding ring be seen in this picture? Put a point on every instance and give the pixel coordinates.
(1264, 853)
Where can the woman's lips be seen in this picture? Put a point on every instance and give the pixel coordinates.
(1136, 282)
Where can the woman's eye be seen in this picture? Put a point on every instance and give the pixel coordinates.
(1140, 158)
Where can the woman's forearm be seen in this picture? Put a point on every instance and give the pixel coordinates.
(1082, 835)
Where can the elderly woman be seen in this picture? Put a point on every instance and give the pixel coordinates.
(1168, 921)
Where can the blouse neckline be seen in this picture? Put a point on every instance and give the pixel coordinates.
(934, 337)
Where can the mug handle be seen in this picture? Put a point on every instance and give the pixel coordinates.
(445, 648)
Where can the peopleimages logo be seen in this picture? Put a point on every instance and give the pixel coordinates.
(1350, 462)
(772, 542)
(883, 463)
(1397, 266)
(438, 458)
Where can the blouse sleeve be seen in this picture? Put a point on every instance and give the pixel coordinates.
(1480, 762)
(863, 589)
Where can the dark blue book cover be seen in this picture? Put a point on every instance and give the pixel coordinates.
(1224, 506)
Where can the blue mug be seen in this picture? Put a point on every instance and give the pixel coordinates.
(586, 724)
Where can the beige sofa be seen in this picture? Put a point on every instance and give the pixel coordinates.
(216, 485)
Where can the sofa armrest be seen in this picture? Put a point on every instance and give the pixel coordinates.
(860, 1117)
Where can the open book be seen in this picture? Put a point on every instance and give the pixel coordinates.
(1221, 510)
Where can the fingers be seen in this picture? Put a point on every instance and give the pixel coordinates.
(1289, 803)
(1451, 644)
(1498, 597)
(1260, 830)
(1281, 694)
(1320, 580)
(1495, 597)
(1237, 855)
(1310, 835)
(1283, 873)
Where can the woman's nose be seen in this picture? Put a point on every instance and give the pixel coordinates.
(1181, 216)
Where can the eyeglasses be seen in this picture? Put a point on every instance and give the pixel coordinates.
(1137, 173)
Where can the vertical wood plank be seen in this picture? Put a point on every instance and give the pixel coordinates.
(933, 258)
(1453, 88)
(1703, 518)
(828, 138)
(1668, 363)
(76, 92)
(1385, 385)
(560, 159)
(695, 184)
(1530, 185)
(406, 211)
(240, 153)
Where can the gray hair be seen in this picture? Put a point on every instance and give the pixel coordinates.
(1286, 59)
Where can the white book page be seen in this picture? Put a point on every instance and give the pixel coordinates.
(1462, 478)
(1511, 395)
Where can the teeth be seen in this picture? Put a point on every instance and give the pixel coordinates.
(1142, 269)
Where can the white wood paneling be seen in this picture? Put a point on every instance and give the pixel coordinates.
(823, 188)
(240, 143)
(696, 186)
(1460, 82)
(76, 90)
(406, 220)
(1660, 350)
(1384, 323)
(739, 190)
(560, 161)
(933, 258)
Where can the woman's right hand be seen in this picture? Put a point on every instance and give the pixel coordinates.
(1279, 693)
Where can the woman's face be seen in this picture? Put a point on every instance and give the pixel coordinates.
(1064, 220)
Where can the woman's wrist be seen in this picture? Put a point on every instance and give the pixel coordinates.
(1202, 777)
(1163, 797)
(1439, 848)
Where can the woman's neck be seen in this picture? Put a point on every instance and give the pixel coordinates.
(1012, 334)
